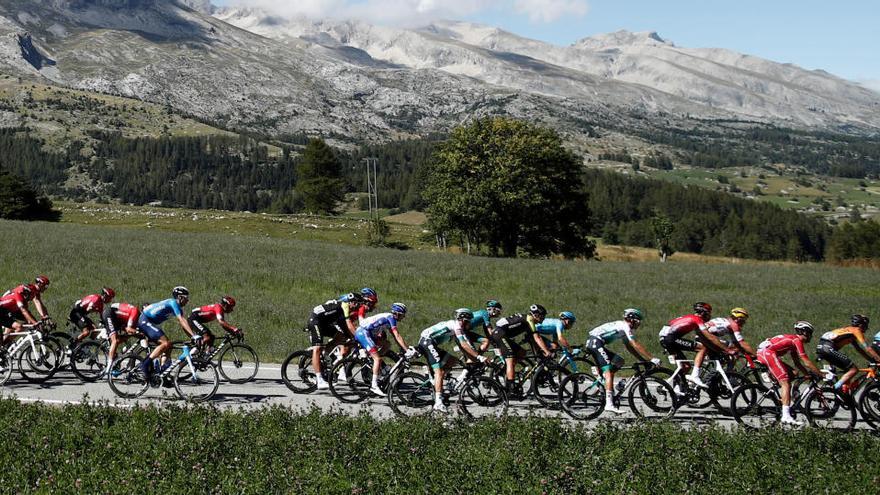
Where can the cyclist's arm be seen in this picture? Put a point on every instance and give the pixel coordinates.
(540, 342)
(467, 348)
(27, 314)
(398, 338)
(225, 324)
(41, 308)
(803, 360)
(185, 325)
(745, 347)
(350, 326)
(864, 349)
(638, 350)
(711, 338)
(564, 341)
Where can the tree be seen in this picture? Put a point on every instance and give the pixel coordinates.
(18, 201)
(663, 229)
(319, 182)
(511, 186)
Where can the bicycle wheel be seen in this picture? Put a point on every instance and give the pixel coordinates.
(720, 394)
(238, 363)
(545, 384)
(652, 398)
(347, 380)
(37, 363)
(869, 404)
(88, 361)
(297, 372)
(826, 408)
(196, 380)
(5, 367)
(126, 379)
(411, 393)
(582, 396)
(755, 406)
(482, 397)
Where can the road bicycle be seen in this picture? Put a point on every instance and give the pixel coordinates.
(864, 393)
(298, 374)
(194, 378)
(755, 405)
(583, 395)
(716, 372)
(35, 355)
(351, 378)
(236, 361)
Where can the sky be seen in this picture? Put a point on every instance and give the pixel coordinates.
(841, 37)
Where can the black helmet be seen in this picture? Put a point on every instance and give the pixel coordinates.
(804, 328)
(179, 291)
(538, 310)
(860, 321)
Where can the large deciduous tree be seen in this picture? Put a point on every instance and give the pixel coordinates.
(509, 185)
(319, 183)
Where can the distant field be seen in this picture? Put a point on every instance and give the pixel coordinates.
(278, 280)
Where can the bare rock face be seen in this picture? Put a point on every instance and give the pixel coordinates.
(31, 54)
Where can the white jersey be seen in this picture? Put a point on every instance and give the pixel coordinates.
(724, 327)
(614, 330)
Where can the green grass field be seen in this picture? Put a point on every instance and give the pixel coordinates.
(278, 280)
(92, 449)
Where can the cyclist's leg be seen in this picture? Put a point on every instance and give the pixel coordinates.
(155, 334)
(839, 360)
(317, 343)
(504, 345)
(83, 323)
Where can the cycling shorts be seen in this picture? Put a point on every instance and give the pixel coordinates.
(507, 346)
(436, 356)
(109, 321)
(605, 359)
(675, 346)
(7, 318)
(839, 360)
(780, 371)
(79, 318)
(152, 331)
(319, 328)
(366, 341)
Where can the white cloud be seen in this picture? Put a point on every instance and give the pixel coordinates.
(413, 12)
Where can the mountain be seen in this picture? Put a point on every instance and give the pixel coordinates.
(245, 69)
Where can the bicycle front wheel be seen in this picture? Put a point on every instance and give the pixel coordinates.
(5, 367)
(197, 380)
(652, 398)
(755, 406)
(869, 404)
(239, 363)
(826, 408)
(39, 362)
(348, 380)
(88, 361)
(411, 394)
(482, 397)
(545, 384)
(297, 372)
(126, 379)
(582, 396)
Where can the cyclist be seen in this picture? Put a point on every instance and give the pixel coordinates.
(609, 362)
(511, 326)
(483, 319)
(724, 328)
(770, 353)
(373, 330)
(552, 330)
(337, 319)
(120, 320)
(14, 305)
(198, 317)
(79, 313)
(831, 342)
(440, 360)
(154, 315)
(672, 336)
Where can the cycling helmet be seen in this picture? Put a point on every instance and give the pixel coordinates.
(463, 314)
(179, 291)
(42, 280)
(860, 321)
(492, 303)
(107, 294)
(228, 302)
(398, 308)
(632, 314)
(567, 315)
(739, 313)
(369, 295)
(703, 309)
(538, 310)
(804, 328)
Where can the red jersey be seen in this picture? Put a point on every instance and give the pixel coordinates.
(355, 312)
(208, 313)
(125, 312)
(90, 304)
(784, 344)
(13, 300)
(683, 325)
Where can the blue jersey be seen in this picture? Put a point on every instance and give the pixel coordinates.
(551, 326)
(162, 310)
(481, 320)
(376, 325)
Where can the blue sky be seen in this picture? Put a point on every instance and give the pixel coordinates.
(841, 37)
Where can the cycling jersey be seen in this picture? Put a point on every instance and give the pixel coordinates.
(614, 330)
(444, 331)
(551, 326)
(516, 324)
(89, 304)
(207, 313)
(159, 312)
(481, 320)
(119, 315)
(846, 335)
(335, 309)
(774, 348)
(375, 325)
(13, 301)
(682, 326)
(724, 327)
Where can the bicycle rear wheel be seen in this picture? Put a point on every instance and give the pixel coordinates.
(238, 363)
(88, 361)
(720, 394)
(755, 406)
(545, 384)
(652, 398)
(826, 408)
(411, 393)
(347, 380)
(582, 396)
(196, 382)
(482, 397)
(126, 379)
(869, 404)
(6, 364)
(297, 372)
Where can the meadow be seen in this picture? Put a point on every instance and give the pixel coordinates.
(100, 449)
(278, 280)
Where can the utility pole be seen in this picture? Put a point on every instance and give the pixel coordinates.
(372, 164)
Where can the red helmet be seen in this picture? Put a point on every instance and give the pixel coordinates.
(42, 281)
(228, 302)
(107, 294)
